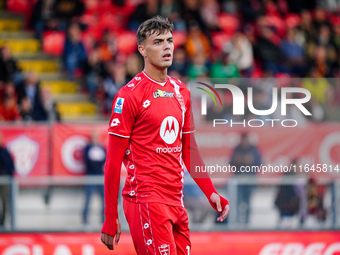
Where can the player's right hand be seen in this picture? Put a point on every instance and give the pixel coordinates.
(108, 239)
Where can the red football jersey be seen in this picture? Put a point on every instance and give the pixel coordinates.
(153, 116)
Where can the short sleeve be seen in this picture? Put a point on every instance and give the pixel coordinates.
(124, 112)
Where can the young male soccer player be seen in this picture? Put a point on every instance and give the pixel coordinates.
(151, 132)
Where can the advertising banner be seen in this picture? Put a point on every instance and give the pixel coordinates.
(39, 149)
(240, 243)
(69, 141)
(29, 147)
(314, 147)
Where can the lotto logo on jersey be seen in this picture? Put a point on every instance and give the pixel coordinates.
(115, 122)
(119, 105)
(169, 129)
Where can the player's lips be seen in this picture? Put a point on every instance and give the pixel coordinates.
(167, 56)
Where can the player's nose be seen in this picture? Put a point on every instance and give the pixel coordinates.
(166, 45)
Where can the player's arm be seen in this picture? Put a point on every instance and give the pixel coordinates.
(124, 112)
(115, 154)
(192, 158)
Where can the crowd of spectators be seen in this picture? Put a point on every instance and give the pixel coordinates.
(214, 38)
(21, 98)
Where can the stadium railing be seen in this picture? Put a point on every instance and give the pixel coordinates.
(55, 204)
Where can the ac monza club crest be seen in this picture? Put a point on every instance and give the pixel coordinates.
(164, 249)
(25, 152)
(169, 129)
(72, 153)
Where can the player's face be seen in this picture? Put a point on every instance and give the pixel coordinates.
(158, 49)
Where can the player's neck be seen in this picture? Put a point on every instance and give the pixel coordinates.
(159, 75)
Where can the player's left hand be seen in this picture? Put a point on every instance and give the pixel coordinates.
(215, 199)
(108, 239)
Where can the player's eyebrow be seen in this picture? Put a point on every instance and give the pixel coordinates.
(161, 39)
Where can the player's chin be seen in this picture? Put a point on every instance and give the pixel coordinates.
(167, 64)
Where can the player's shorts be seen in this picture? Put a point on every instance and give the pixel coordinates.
(158, 228)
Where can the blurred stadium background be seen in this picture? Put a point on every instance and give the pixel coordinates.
(61, 64)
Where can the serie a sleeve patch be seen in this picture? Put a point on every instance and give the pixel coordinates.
(119, 105)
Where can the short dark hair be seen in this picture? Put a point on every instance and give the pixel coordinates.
(157, 25)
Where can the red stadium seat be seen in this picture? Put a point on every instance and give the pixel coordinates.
(127, 10)
(121, 15)
(219, 39)
(91, 5)
(53, 42)
(278, 23)
(18, 6)
(283, 6)
(111, 21)
(335, 20)
(257, 73)
(90, 18)
(228, 23)
(271, 8)
(293, 20)
(94, 31)
(104, 6)
(127, 42)
(97, 5)
(179, 38)
(283, 80)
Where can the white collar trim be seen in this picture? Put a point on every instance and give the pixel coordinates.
(160, 83)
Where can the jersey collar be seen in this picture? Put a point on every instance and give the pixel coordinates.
(159, 83)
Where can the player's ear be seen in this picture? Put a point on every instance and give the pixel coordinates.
(141, 50)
